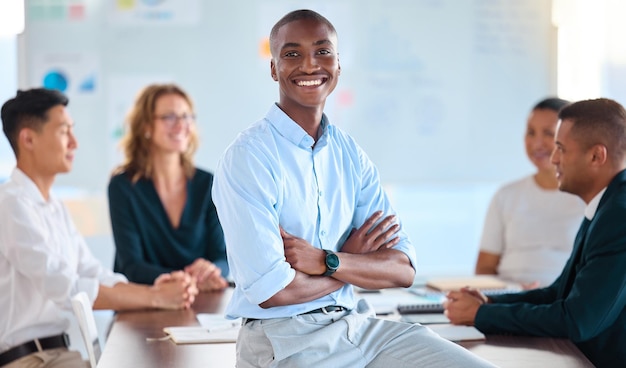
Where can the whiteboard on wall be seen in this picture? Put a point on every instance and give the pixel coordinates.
(433, 90)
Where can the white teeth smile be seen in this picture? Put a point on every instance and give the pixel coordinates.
(309, 83)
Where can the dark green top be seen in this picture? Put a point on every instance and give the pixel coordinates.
(587, 303)
(147, 244)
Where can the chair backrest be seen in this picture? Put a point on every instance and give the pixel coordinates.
(87, 323)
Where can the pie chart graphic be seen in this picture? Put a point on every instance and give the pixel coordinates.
(55, 79)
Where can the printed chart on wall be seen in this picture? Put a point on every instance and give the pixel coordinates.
(151, 12)
(73, 73)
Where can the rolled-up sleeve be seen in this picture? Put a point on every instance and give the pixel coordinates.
(245, 194)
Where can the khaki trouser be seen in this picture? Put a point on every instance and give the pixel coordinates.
(51, 358)
(347, 339)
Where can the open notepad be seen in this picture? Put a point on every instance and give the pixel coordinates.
(421, 307)
(422, 303)
(213, 329)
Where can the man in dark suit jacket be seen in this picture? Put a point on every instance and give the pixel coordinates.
(587, 301)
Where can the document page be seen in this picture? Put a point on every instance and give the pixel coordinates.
(214, 328)
(200, 335)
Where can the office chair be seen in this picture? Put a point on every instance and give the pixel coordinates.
(87, 323)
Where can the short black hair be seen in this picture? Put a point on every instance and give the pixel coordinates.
(599, 121)
(551, 103)
(28, 109)
(299, 15)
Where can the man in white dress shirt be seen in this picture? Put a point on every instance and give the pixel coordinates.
(43, 258)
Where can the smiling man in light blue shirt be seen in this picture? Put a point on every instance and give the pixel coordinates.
(289, 192)
(272, 177)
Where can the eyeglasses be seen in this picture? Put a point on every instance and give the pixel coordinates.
(171, 119)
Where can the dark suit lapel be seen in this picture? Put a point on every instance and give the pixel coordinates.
(579, 242)
(570, 267)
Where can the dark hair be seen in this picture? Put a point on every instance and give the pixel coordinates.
(28, 109)
(302, 14)
(599, 121)
(551, 103)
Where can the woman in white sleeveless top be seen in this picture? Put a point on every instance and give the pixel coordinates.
(530, 225)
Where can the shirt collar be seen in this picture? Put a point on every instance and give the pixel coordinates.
(291, 130)
(592, 207)
(28, 186)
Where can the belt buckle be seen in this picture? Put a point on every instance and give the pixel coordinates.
(324, 310)
(66, 340)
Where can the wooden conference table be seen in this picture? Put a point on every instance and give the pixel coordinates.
(127, 346)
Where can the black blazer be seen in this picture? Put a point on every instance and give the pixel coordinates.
(587, 301)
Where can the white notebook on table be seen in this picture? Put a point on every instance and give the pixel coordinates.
(213, 329)
(200, 335)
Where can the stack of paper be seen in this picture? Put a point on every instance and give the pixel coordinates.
(482, 282)
(213, 329)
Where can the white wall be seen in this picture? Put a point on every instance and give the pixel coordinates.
(436, 92)
(445, 83)
(8, 87)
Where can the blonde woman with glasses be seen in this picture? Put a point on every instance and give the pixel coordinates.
(162, 213)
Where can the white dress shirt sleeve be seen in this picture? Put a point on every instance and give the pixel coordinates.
(41, 242)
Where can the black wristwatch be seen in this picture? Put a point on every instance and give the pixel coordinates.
(332, 262)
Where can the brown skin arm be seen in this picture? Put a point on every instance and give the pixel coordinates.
(170, 291)
(382, 269)
(369, 262)
(369, 238)
(365, 261)
(303, 288)
(487, 263)
(376, 270)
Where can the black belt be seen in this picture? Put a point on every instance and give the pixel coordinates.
(33, 346)
(326, 310)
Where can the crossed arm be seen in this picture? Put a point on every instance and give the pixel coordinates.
(366, 260)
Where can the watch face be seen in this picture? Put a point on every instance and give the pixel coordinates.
(332, 261)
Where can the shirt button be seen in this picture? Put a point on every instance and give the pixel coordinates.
(321, 193)
(323, 233)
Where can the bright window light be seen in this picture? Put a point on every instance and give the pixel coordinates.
(590, 47)
(11, 17)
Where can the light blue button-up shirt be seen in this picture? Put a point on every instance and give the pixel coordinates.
(270, 177)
